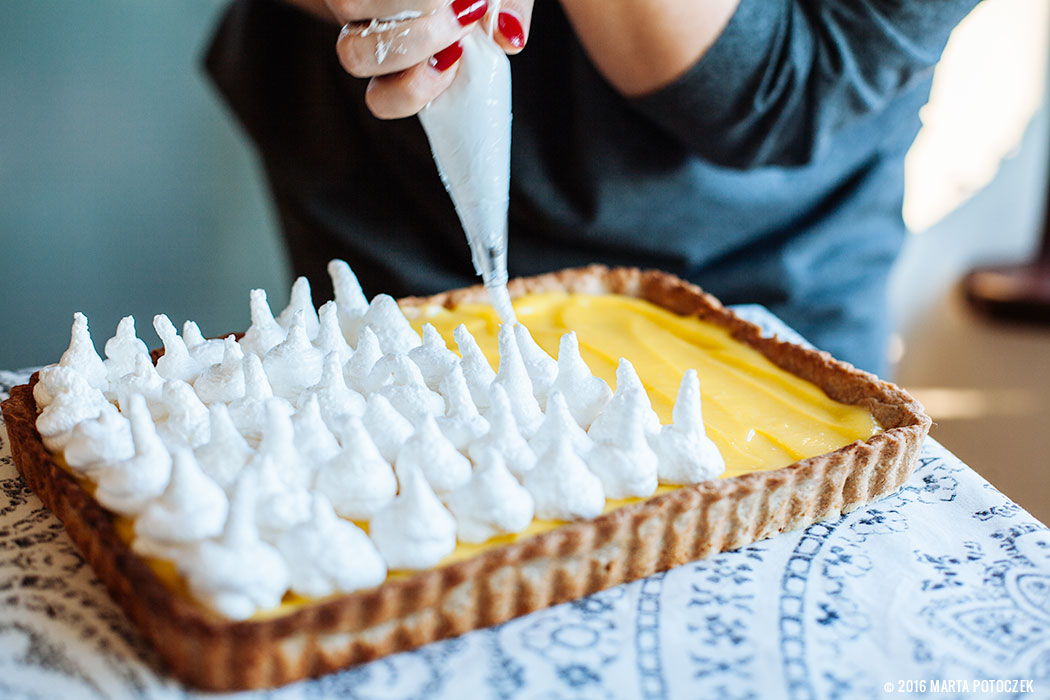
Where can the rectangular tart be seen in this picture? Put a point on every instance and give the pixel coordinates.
(534, 572)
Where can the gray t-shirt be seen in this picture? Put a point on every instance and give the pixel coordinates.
(771, 172)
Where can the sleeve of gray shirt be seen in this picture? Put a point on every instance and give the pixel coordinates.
(785, 75)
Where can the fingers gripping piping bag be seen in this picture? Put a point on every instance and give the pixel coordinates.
(468, 126)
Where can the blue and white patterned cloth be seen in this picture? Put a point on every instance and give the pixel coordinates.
(943, 588)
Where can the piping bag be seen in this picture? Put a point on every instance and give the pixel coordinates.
(468, 126)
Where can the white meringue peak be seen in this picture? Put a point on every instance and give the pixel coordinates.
(192, 507)
(237, 573)
(314, 441)
(279, 504)
(433, 357)
(81, 354)
(491, 503)
(223, 382)
(462, 424)
(436, 458)
(206, 351)
(476, 368)
(393, 330)
(514, 379)
(558, 423)
(330, 336)
(414, 531)
(224, 455)
(144, 381)
(541, 367)
(278, 447)
(122, 349)
(80, 402)
(562, 485)
(186, 421)
(358, 369)
(105, 438)
(388, 428)
(125, 487)
(687, 455)
(176, 362)
(358, 480)
(55, 380)
(403, 385)
(249, 412)
(349, 298)
(504, 436)
(264, 332)
(585, 393)
(293, 364)
(625, 463)
(300, 299)
(326, 555)
(335, 399)
(629, 390)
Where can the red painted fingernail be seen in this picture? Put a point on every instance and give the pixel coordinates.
(470, 11)
(443, 59)
(510, 27)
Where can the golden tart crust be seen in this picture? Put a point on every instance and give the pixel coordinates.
(502, 582)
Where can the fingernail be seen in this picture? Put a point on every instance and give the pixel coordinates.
(443, 59)
(510, 27)
(469, 11)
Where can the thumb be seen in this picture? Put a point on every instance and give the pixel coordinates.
(511, 24)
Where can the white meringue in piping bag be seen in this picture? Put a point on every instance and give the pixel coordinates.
(468, 126)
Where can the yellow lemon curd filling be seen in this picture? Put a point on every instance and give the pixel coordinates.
(759, 416)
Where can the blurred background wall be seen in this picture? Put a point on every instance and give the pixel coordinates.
(125, 188)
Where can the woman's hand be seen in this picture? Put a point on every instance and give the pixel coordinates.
(410, 48)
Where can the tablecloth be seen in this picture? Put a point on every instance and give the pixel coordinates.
(942, 589)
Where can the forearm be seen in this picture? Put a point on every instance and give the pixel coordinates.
(640, 46)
